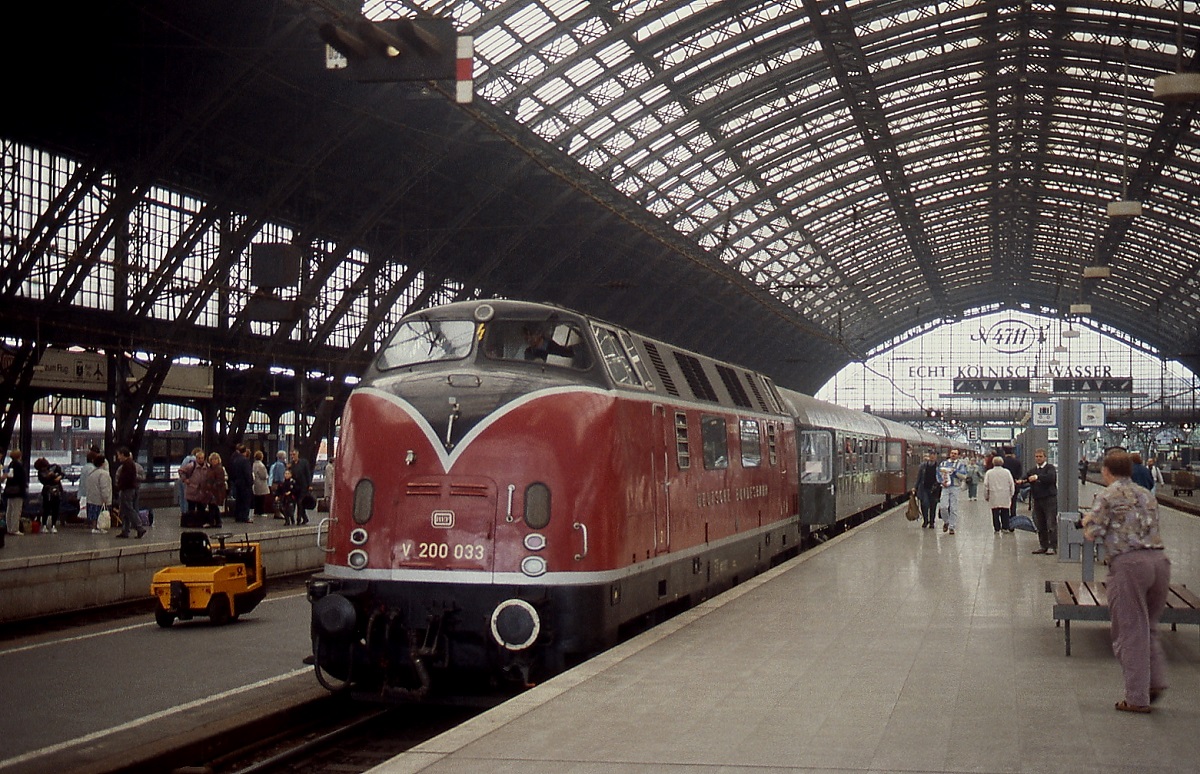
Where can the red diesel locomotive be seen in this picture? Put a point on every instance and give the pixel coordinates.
(517, 484)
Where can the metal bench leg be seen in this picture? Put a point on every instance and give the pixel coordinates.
(1067, 632)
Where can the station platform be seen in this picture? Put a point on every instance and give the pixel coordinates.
(73, 569)
(890, 648)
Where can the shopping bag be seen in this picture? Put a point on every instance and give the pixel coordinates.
(914, 508)
(104, 520)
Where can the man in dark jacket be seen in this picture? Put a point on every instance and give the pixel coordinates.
(127, 491)
(928, 490)
(1043, 485)
(16, 485)
(241, 483)
(1013, 466)
(302, 473)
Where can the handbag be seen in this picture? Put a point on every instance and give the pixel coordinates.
(308, 502)
(104, 520)
(914, 508)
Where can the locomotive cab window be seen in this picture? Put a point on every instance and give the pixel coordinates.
(537, 341)
(816, 457)
(751, 443)
(427, 341)
(716, 443)
(615, 358)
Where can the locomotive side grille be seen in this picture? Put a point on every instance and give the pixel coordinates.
(469, 490)
(660, 367)
(762, 404)
(734, 385)
(429, 488)
(693, 371)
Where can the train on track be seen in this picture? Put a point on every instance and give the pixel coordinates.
(518, 486)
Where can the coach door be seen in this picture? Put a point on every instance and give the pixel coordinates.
(818, 495)
(664, 442)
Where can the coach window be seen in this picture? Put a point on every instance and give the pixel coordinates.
(615, 359)
(895, 455)
(816, 457)
(716, 443)
(751, 443)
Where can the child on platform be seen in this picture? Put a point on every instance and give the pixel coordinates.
(286, 496)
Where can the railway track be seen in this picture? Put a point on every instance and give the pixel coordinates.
(336, 737)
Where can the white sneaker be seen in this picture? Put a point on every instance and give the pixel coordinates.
(54, 530)
(97, 531)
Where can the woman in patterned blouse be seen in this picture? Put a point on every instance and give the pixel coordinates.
(1125, 518)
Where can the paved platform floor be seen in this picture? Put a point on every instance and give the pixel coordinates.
(888, 649)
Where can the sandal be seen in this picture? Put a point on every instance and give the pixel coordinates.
(1125, 706)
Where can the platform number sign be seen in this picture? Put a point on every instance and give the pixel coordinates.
(1044, 415)
(79, 423)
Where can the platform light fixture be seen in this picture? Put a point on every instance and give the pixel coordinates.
(1096, 272)
(1178, 86)
(1081, 308)
(1124, 209)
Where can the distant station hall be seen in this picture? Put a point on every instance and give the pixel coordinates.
(846, 352)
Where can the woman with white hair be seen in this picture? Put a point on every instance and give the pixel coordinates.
(998, 491)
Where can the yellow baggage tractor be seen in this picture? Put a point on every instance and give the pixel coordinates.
(222, 582)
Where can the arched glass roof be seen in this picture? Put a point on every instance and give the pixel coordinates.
(879, 165)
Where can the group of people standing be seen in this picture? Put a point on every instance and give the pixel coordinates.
(207, 485)
(96, 487)
(940, 484)
(1124, 517)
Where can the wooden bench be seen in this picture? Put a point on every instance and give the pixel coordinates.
(1088, 601)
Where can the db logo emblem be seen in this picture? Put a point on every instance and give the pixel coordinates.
(442, 519)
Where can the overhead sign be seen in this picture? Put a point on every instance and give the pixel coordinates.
(63, 370)
(1093, 385)
(1009, 336)
(991, 385)
(1044, 414)
(1091, 415)
(996, 434)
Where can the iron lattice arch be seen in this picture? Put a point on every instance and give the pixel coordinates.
(878, 165)
(788, 185)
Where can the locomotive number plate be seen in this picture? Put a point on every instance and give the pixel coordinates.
(468, 551)
(447, 550)
(442, 519)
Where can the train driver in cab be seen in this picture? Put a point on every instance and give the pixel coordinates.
(538, 346)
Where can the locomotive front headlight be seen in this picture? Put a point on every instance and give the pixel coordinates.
(535, 541)
(533, 566)
(364, 501)
(358, 536)
(357, 559)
